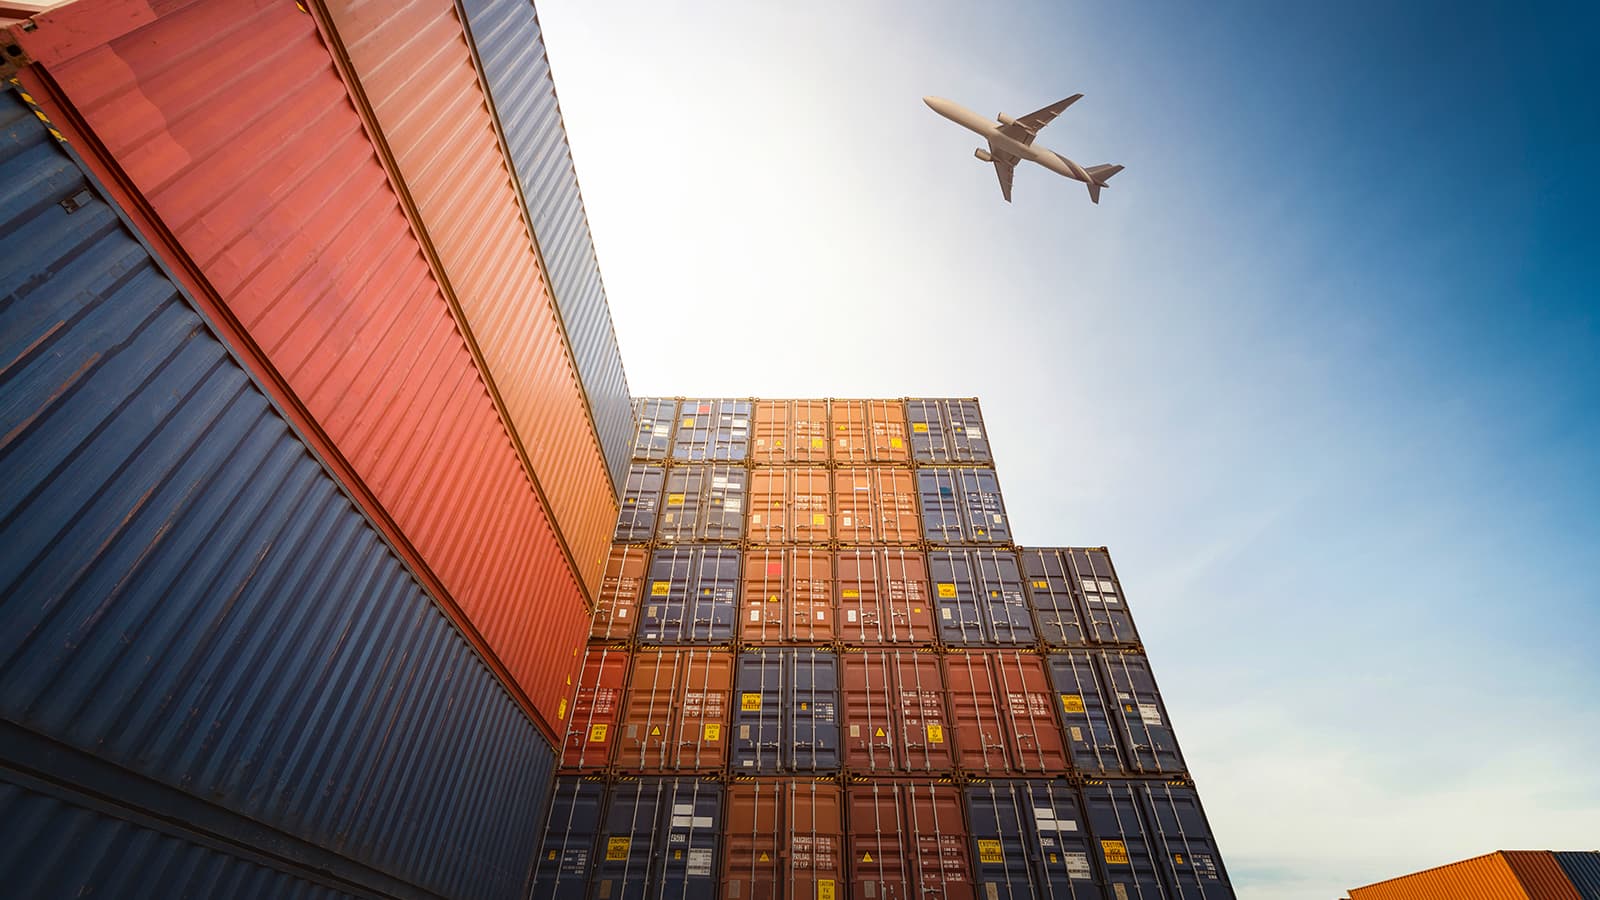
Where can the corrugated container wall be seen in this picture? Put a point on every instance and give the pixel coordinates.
(784, 839)
(908, 841)
(883, 597)
(692, 596)
(962, 506)
(1583, 870)
(161, 527)
(1503, 875)
(675, 713)
(1028, 834)
(787, 717)
(274, 193)
(511, 58)
(660, 839)
(566, 849)
(893, 713)
(616, 613)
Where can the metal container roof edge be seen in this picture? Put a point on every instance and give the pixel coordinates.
(402, 189)
(60, 116)
(1495, 866)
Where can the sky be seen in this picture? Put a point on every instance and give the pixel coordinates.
(1322, 369)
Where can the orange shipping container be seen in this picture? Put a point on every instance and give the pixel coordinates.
(1503, 875)
(790, 504)
(1004, 714)
(876, 505)
(883, 597)
(869, 431)
(596, 706)
(908, 841)
(783, 838)
(790, 431)
(893, 714)
(675, 715)
(621, 590)
(788, 596)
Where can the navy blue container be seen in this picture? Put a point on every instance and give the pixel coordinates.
(640, 509)
(947, 430)
(1106, 618)
(653, 419)
(192, 601)
(1029, 840)
(787, 714)
(1052, 596)
(1138, 714)
(510, 54)
(978, 595)
(693, 596)
(661, 839)
(705, 503)
(1182, 841)
(566, 849)
(712, 430)
(1120, 840)
(1582, 868)
(962, 506)
(1092, 741)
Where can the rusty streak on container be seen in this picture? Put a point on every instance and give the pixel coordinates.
(788, 596)
(883, 597)
(790, 504)
(786, 432)
(876, 505)
(596, 708)
(869, 431)
(675, 715)
(621, 591)
(894, 716)
(783, 838)
(263, 192)
(1004, 714)
(412, 60)
(907, 841)
(1502, 875)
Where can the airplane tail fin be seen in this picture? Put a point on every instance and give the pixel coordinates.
(1098, 176)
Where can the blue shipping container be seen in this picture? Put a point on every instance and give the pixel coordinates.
(566, 848)
(1052, 597)
(662, 839)
(693, 596)
(640, 508)
(1183, 842)
(653, 419)
(1105, 610)
(978, 594)
(1029, 840)
(712, 430)
(189, 596)
(704, 503)
(947, 430)
(1092, 741)
(1139, 715)
(962, 506)
(787, 717)
(1120, 839)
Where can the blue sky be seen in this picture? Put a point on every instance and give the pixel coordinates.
(1322, 369)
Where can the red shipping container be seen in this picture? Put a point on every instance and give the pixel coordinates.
(893, 715)
(790, 431)
(790, 504)
(883, 597)
(1005, 721)
(908, 841)
(788, 596)
(596, 707)
(621, 591)
(275, 211)
(675, 715)
(783, 838)
(869, 431)
(876, 505)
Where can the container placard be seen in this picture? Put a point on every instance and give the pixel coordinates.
(617, 848)
(750, 702)
(1115, 852)
(1072, 703)
(989, 852)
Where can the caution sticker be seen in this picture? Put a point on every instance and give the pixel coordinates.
(896, 443)
(688, 421)
(660, 588)
(750, 702)
(919, 427)
(1072, 703)
(935, 733)
(561, 709)
(989, 852)
(674, 499)
(851, 594)
(1041, 585)
(947, 590)
(1115, 852)
(866, 856)
(819, 518)
(617, 848)
(712, 732)
(597, 733)
(825, 889)
(819, 443)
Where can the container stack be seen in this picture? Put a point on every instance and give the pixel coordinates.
(819, 667)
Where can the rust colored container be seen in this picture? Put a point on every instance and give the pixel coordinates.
(883, 597)
(271, 187)
(788, 596)
(596, 708)
(876, 505)
(787, 432)
(1004, 715)
(1503, 875)
(464, 192)
(675, 714)
(784, 839)
(790, 505)
(907, 841)
(621, 591)
(869, 431)
(893, 711)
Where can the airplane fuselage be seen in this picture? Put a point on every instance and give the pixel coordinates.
(989, 130)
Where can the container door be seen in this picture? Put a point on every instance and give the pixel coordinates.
(624, 870)
(854, 515)
(641, 501)
(596, 708)
(811, 741)
(766, 595)
(1140, 715)
(758, 719)
(976, 702)
(670, 573)
(810, 507)
(1000, 593)
(956, 594)
(713, 601)
(810, 610)
(723, 513)
(705, 686)
(621, 590)
(929, 442)
(769, 504)
(654, 420)
(1119, 841)
(923, 712)
(1183, 842)
(753, 844)
(886, 425)
(566, 852)
(814, 826)
(999, 847)
(680, 515)
(1105, 611)
(688, 836)
(1091, 740)
(941, 501)
(1049, 586)
(1058, 841)
(1036, 743)
(908, 842)
(982, 506)
(871, 738)
(772, 432)
(968, 443)
(697, 421)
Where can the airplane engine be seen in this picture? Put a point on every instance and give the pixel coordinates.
(1005, 119)
(983, 155)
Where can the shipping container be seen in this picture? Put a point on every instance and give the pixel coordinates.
(947, 431)
(1093, 742)
(511, 60)
(1181, 838)
(641, 504)
(616, 613)
(704, 503)
(788, 596)
(693, 596)
(876, 505)
(787, 719)
(459, 186)
(1583, 870)
(1106, 618)
(712, 430)
(653, 421)
(894, 713)
(869, 431)
(962, 506)
(790, 432)
(675, 713)
(1138, 714)
(790, 504)
(1502, 875)
(883, 597)
(1052, 597)
(907, 840)
(661, 839)
(566, 848)
(979, 597)
(161, 528)
(266, 195)
(596, 708)
(783, 840)
(1121, 840)
(1002, 709)
(1029, 840)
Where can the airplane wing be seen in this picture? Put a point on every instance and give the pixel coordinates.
(1005, 165)
(1026, 128)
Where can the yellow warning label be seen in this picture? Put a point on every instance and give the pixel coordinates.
(935, 733)
(896, 443)
(825, 889)
(851, 594)
(866, 856)
(659, 588)
(1072, 703)
(1177, 859)
(617, 848)
(819, 518)
(819, 443)
(597, 733)
(561, 709)
(1052, 857)
(879, 732)
(750, 702)
(1116, 852)
(655, 731)
(1041, 585)
(552, 855)
(989, 852)
(712, 732)
(947, 590)
(804, 707)
(688, 421)
(674, 499)
(919, 427)
(764, 857)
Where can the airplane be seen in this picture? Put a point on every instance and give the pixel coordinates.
(1011, 141)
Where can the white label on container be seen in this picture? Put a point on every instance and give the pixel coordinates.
(732, 504)
(849, 615)
(1043, 812)
(821, 614)
(1077, 865)
(1150, 713)
(741, 423)
(699, 862)
(755, 615)
(755, 518)
(997, 519)
(702, 821)
(682, 821)
(661, 430)
(683, 809)
(975, 433)
(1106, 587)
(1088, 585)
(845, 520)
(719, 483)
